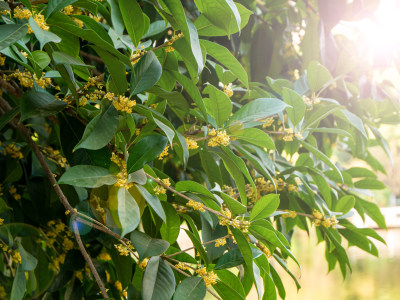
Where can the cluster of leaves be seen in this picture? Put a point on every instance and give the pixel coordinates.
(213, 118)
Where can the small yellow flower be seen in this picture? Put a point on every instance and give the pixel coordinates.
(13, 192)
(191, 143)
(202, 271)
(289, 214)
(104, 256)
(159, 190)
(22, 13)
(1, 221)
(264, 249)
(164, 153)
(220, 242)
(16, 257)
(195, 205)
(143, 264)
(118, 285)
(317, 214)
(218, 138)
(2, 60)
(182, 266)
(228, 90)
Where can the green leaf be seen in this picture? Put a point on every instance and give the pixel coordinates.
(158, 280)
(357, 172)
(57, 5)
(256, 110)
(127, 210)
(373, 211)
(134, 19)
(147, 246)
(198, 245)
(11, 33)
(8, 116)
(40, 104)
(317, 76)
(359, 240)
(235, 206)
(219, 106)
(230, 259)
(192, 186)
(29, 262)
(264, 207)
(254, 136)
(101, 129)
(345, 204)
(19, 285)
(61, 58)
(193, 288)
(87, 176)
(225, 57)
(147, 72)
(318, 154)
(245, 249)
(188, 29)
(369, 184)
(221, 13)
(41, 58)
(146, 150)
(171, 227)
(153, 201)
(230, 280)
(116, 69)
(236, 174)
(353, 119)
(206, 28)
(297, 107)
(43, 36)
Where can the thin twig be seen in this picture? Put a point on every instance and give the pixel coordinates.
(9, 264)
(89, 260)
(184, 196)
(187, 249)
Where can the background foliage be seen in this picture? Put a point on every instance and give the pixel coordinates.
(124, 123)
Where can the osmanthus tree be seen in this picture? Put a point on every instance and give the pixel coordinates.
(124, 123)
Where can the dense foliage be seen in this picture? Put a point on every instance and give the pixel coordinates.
(125, 123)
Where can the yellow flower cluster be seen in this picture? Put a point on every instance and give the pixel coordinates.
(124, 250)
(143, 264)
(264, 249)
(164, 153)
(55, 156)
(228, 90)
(160, 189)
(122, 176)
(68, 10)
(288, 135)
(210, 278)
(39, 19)
(174, 38)
(118, 286)
(169, 49)
(16, 257)
(289, 214)
(124, 104)
(320, 219)
(267, 122)
(195, 205)
(5, 12)
(22, 13)
(182, 266)
(13, 192)
(2, 60)
(26, 79)
(218, 138)
(104, 256)
(220, 242)
(225, 221)
(1, 221)
(191, 143)
(180, 208)
(292, 188)
(135, 56)
(13, 150)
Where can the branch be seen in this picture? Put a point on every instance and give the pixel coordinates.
(187, 249)
(9, 264)
(89, 260)
(184, 196)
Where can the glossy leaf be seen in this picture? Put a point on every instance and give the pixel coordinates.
(147, 72)
(191, 288)
(10, 33)
(264, 207)
(87, 176)
(134, 19)
(158, 280)
(147, 246)
(40, 104)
